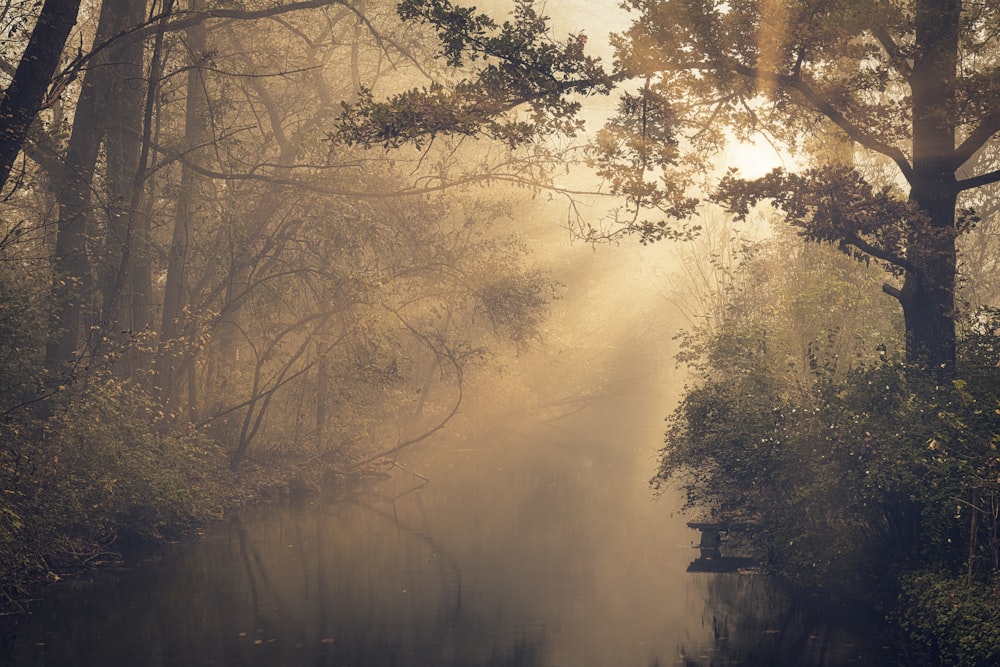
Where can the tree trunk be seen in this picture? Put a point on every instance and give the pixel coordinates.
(322, 395)
(928, 294)
(73, 283)
(170, 360)
(127, 296)
(928, 301)
(24, 97)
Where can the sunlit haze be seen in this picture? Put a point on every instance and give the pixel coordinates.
(391, 333)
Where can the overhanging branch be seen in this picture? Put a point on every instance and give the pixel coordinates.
(172, 21)
(976, 140)
(825, 107)
(978, 181)
(878, 253)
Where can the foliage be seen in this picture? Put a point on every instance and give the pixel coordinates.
(628, 152)
(517, 63)
(23, 322)
(907, 82)
(978, 270)
(192, 276)
(765, 437)
(94, 475)
(862, 475)
(834, 205)
(957, 624)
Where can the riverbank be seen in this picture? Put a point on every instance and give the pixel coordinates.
(535, 542)
(81, 486)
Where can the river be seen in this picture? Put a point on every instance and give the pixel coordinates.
(525, 536)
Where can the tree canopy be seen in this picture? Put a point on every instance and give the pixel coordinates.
(911, 83)
(202, 296)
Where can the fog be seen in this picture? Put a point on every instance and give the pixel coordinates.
(523, 534)
(330, 335)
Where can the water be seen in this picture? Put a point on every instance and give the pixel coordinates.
(527, 537)
(537, 545)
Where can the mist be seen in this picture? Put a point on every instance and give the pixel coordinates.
(567, 333)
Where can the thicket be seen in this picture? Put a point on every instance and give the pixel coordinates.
(855, 472)
(203, 297)
(88, 467)
(93, 477)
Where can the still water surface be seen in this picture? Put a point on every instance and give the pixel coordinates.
(530, 540)
(537, 545)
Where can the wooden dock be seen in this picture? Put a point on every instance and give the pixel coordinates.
(711, 558)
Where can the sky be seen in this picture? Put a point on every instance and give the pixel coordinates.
(598, 19)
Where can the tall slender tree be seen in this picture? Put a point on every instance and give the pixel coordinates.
(26, 93)
(74, 286)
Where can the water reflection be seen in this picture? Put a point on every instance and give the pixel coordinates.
(314, 585)
(536, 542)
(534, 551)
(757, 623)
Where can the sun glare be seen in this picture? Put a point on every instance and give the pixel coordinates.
(752, 159)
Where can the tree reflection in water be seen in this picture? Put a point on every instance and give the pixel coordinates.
(756, 622)
(371, 617)
(337, 585)
(353, 584)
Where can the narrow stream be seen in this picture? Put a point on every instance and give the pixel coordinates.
(539, 546)
(531, 540)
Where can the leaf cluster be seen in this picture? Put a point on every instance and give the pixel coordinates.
(510, 65)
(634, 154)
(956, 625)
(833, 204)
(872, 481)
(98, 473)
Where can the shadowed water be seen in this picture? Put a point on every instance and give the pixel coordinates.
(528, 537)
(539, 544)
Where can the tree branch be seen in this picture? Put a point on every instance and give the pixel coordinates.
(893, 291)
(373, 193)
(976, 140)
(878, 253)
(25, 95)
(824, 106)
(183, 20)
(978, 181)
(853, 131)
(450, 356)
(892, 50)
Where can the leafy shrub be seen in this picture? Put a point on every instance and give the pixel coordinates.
(957, 624)
(882, 483)
(851, 467)
(94, 474)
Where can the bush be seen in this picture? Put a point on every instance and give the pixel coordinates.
(93, 475)
(883, 484)
(957, 624)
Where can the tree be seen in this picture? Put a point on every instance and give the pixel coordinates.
(910, 81)
(73, 265)
(321, 309)
(25, 96)
(766, 436)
